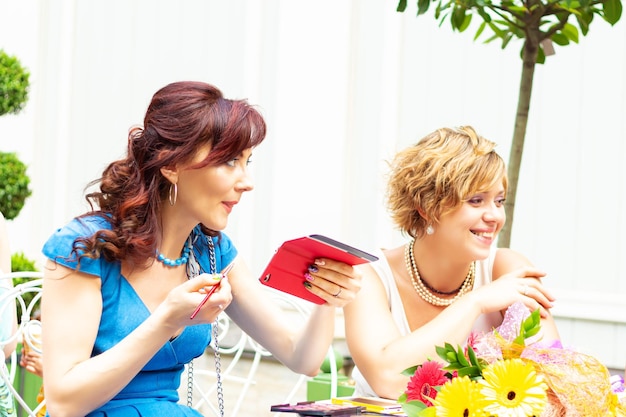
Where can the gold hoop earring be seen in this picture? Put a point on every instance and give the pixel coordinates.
(173, 194)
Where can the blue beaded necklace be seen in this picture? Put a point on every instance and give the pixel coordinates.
(184, 257)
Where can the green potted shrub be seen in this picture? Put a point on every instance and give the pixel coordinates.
(14, 84)
(21, 263)
(14, 185)
(26, 383)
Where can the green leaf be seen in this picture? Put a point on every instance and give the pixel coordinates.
(499, 33)
(471, 371)
(486, 16)
(401, 6)
(441, 352)
(612, 11)
(560, 39)
(472, 356)
(413, 408)
(458, 18)
(409, 371)
(584, 19)
(519, 9)
(461, 357)
(422, 6)
(506, 40)
(428, 412)
(480, 30)
(466, 22)
(532, 321)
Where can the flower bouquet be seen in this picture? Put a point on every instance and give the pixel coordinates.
(509, 372)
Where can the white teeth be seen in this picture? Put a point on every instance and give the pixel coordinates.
(484, 234)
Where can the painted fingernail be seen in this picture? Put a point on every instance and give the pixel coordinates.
(308, 276)
(319, 262)
(307, 284)
(313, 268)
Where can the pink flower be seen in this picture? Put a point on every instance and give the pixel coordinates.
(421, 385)
(472, 341)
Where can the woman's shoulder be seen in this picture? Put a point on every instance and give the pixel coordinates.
(61, 243)
(81, 226)
(504, 260)
(382, 267)
(509, 258)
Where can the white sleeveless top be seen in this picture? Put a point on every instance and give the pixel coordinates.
(484, 323)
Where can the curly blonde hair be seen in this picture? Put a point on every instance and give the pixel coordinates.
(438, 174)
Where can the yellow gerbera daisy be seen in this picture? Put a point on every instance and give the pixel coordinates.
(459, 397)
(512, 388)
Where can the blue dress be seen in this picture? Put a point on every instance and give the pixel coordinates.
(154, 391)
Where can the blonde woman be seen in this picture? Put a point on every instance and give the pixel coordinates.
(446, 193)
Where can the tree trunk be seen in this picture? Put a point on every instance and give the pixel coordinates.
(529, 57)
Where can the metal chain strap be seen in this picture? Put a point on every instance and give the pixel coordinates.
(190, 384)
(218, 370)
(216, 347)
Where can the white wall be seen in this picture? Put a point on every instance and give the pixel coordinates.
(343, 85)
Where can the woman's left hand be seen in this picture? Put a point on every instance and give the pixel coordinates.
(32, 361)
(335, 282)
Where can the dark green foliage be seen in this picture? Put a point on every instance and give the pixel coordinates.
(14, 83)
(20, 263)
(14, 184)
(510, 19)
(471, 365)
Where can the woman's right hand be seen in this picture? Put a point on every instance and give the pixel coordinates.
(184, 299)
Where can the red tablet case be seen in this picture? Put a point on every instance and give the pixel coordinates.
(286, 269)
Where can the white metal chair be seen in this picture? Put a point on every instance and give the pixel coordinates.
(28, 331)
(234, 344)
(205, 383)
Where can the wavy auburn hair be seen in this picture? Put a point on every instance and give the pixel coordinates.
(438, 174)
(182, 118)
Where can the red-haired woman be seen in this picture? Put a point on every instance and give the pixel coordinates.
(117, 293)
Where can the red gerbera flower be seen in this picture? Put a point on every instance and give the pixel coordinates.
(421, 385)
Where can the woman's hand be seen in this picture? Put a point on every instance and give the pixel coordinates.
(335, 282)
(32, 361)
(520, 285)
(183, 300)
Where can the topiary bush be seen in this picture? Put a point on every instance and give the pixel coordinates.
(14, 83)
(21, 263)
(14, 185)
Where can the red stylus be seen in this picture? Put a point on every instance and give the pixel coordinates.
(223, 274)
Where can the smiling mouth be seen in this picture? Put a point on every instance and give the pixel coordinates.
(488, 235)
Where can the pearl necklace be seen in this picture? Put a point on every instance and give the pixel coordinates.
(423, 290)
(184, 257)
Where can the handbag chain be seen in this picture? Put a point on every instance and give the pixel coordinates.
(216, 347)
